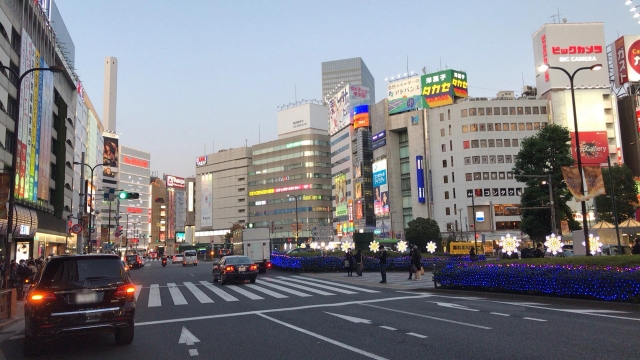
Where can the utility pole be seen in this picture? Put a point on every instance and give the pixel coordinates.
(81, 207)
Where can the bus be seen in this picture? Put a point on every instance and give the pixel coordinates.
(462, 248)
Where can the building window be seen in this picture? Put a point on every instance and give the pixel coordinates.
(543, 109)
(466, 144)
(521, 126)
(492, 159)
(507, 143)
(467, 160)
(473, 112)
(447, 211)
(441, 116)
(454, 193)
(536, 111)
(404, 166)
(468, 176)
(475, 144)
(480, 111)
(444, 147)
(482, 127)
(450, 132)
(485, 160)
(509, 175)
(492, 143)
(404, 151)
(476, 160)
(507, 159)
(483, 143)
(527, 110)
(501, 175)
(446, 195)
(444, 163)
(405, 183)
(520, 110)
(490, 127)
(464, 113)
(448, 114)
(445, 179)
(529, 126)
(441, 132)
(477, 176)
(514, 142)
(500, 159)
(494, 176)
(465, 129)
(536, 126)
(505, 111)
(512, 110)
(474, 127)
(496, 111)
(452, 161)
(485, 176)
(450, 145)
(489, 111)
(498, 127)
(514, 127)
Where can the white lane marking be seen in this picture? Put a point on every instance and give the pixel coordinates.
(350, 318)
(324, 338)
(266, 291)
(534, 319)
(332, 288)
(244, 292)
(388, 328)
(154, 296)
(305, 307)
(582, 312)
(204, 299)
(16, 337)
(137, 293)
(192, 274)
(281, 288)
(417, 335)
(223, 294)
(452, 306)
(305, 288)
(176, 295)
(186, 337)
(336, 284)
(432, 317)
(501, 314)
(193, 352)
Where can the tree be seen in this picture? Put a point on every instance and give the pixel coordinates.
(229, 235)
(540, 155)
(421, 231)
(625, 193)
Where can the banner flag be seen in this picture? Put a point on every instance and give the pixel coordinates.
(595, 183)
(572, 178)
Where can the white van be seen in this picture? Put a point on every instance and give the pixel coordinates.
(190, 257)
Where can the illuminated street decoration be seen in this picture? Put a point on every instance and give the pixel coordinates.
(509, 244)
(553, 244)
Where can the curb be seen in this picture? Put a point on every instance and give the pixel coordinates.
(9, 322)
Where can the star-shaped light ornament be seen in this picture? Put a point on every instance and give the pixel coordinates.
(345, 246)
(509, 244)
(595, 246)
(314, 245)
(374, 246)
(431, 247)
(303, 245)
(553, 244)
(402, 246)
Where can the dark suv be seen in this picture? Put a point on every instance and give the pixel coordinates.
(134, 261)
(79, 293)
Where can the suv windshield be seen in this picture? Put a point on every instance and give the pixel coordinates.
(190, 253)
(132, 257)
(80, 270)
(238, 260)
(178, 255)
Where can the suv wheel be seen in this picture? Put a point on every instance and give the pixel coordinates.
(31, 346)
(124, 336)
(252, 280)
(222, 280)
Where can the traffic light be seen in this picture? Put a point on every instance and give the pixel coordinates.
(128, 195)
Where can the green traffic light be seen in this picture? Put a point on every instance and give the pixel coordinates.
(123, 195)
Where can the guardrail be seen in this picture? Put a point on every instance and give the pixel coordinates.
(5, 304)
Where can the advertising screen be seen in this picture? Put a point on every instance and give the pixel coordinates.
(340, 106)
(404, 95)
(420, 178)
(360, 116)
(340, 183)
(175, 182)
(206, 203)
(380, 188)
(110, 153)
(180, 210)
(594, 147)
(442, 87)
(35, 113)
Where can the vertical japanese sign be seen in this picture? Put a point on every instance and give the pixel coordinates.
(404, 95)
(442, 87)
(420, 179)
(380, 188)
(206, 203)
(340, 185)
(626, 60)
(4, 194)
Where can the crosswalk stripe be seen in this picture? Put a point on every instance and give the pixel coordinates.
(266, 291)
(319, 285)
(198, 293)
(244, 292)
(305, 288)
(138, 289)
(290, 291)
(154, 295)
(176, 295)
(337, 284)
(223, 294)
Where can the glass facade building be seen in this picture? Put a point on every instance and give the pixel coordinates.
(347, 71)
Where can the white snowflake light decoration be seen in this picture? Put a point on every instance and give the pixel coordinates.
(509, 244)
(553, 244)
(303, 245)
(595, 246)
(314, 245)
(374, 246)
(402, 246)
(345, 246)
(431, 247)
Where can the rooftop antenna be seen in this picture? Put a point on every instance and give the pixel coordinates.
(556, 17)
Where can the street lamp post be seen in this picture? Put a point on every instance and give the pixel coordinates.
(551, 202)
(583, 204)
(14, 153)
(86, 198)
(296, 234)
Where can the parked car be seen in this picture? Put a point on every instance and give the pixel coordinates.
(76, 294)
(134, 261)
(189, 257)
(297, 251)
(177, 258)
(235, 267)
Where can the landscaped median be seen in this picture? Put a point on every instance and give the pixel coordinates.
(610, 278)
(334, 261)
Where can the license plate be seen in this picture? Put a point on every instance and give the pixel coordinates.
(242, 268)
(86, 298)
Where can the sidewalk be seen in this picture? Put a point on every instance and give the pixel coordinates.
(18, 316)
(397, 280)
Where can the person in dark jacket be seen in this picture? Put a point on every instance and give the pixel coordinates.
(359, 258)
(539, 251)
(472, 254)
(635, 250)
(417, 262)
(382, 259)
(350, 261)
(412, 266)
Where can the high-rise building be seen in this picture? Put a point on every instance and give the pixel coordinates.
(134, 176)
(110, 95)
(337, 73)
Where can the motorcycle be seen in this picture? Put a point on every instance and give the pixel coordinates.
(164, 262)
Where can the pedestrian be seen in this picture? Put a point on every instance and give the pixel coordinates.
(382, 260)
(412, 265)
(635, 250)
(14, 279)
(539, 253)
(359, 262)
(417, 262)
(349, 263)
(472, 254)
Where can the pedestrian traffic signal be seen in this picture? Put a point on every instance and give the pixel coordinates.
(129, 195)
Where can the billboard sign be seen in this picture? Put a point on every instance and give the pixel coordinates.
(626, 59)
(404, 95)
(134, 161)
(341, 103)
(420, 178)
(594, 147)
(381, 135)
(443, 87)
(201, 160)
(380, 188)
(175, 182)
(110, 152)
(360, 116)
(206, 203)
(340, 184)
(570, 46)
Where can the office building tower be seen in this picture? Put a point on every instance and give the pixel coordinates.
(337, 73)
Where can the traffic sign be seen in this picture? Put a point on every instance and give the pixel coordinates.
(76, 229)
(93, 230)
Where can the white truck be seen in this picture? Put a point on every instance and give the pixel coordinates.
(255, 244)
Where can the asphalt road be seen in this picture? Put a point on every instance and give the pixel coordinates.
(182, 314)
